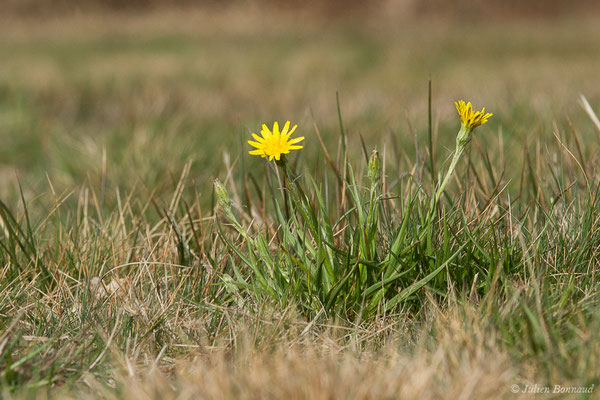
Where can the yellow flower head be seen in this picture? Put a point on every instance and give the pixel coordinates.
(469, 118)
(275, 143)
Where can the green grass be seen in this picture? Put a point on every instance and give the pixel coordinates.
(121, 270)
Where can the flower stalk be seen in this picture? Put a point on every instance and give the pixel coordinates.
(469, 120)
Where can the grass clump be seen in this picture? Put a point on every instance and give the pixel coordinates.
(367, 254)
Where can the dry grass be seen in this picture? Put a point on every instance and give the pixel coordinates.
(463, 362)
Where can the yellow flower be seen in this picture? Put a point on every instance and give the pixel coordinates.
(469, 118)
(275, 143)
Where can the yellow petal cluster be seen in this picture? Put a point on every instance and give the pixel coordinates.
(468, 117)
(273, 143)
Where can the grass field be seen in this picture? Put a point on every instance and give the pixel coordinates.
(124, 273)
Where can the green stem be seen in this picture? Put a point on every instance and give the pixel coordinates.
(282, 165)
(462, 139)
(457, 154)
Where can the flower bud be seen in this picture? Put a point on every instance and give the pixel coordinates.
(223, 197)
(374, 172)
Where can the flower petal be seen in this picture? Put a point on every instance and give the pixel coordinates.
(265, 131)
(286, 127)
(296, 140)
(290, 132)
(256, 144)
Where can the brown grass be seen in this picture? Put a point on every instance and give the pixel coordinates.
(455, 356)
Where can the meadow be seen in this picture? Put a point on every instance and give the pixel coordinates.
(126, 271)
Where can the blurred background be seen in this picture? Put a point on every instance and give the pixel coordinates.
(123, 93)
(334, 7)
